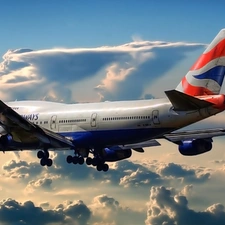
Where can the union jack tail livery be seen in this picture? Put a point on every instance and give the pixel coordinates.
(206, 75)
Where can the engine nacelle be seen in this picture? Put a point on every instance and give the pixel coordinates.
(112, 155)
(5, 141)
(195, 147)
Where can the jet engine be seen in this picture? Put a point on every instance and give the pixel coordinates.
(5, 141)
(195, 147)
(115, 154)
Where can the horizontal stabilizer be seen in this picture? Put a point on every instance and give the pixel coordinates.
(184, 102)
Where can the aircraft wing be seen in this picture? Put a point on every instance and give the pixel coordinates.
(26, 132)
(138, 147)
(177, 137)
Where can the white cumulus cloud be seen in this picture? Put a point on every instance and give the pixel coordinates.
(111, 72)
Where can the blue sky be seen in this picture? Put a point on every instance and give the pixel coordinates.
(86, 51)
(45, 24)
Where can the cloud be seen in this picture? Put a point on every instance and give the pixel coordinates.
(219, 161)
(106, 209)
(187, 190)
(71, 212)
(166, 208)
(22, 169)
(125, 178)
(186, 174)
(55, 74)
(102, 210)
(13, 212)
(139, 178)
(77, 212)
(44, 205)
(44, 183)
(125, 173)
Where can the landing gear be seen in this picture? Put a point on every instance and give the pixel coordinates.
(96, 161)
(44, 158)
(77, 159)
(102, 167)
(88, 161)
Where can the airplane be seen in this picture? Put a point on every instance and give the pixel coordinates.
(109, 131)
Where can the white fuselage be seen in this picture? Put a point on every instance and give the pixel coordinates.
(109, 123)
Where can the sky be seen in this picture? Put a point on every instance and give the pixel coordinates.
(90, 51)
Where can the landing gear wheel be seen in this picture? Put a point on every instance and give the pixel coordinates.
(43, 161)
(105, 167)
(81, 160)
(89, 161)
(75, 160)
(95, 161)
(99, 167)
(40, 154)
(49, 162)
(46, 154)
(69, 159)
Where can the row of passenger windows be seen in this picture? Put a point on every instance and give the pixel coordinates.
(72, 121)
(128, 118)
(107, 118)
(41, 122)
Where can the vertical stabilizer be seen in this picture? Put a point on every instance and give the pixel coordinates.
(206, 75)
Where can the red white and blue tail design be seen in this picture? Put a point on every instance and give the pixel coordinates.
(206, 75)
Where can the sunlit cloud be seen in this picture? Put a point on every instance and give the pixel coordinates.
(55, 74)
(164, 207)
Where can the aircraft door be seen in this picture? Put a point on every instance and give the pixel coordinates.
(155, 117)
(53, 125)
(94, 120)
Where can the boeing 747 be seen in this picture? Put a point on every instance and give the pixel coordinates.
(108, 131)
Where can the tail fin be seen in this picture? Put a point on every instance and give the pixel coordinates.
(184, 102)
(206, 75)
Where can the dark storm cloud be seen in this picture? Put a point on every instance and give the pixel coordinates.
(104, 209)
(166, 208)
(186, 174)
(15, 213)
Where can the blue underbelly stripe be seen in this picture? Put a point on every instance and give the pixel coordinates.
(111, 137)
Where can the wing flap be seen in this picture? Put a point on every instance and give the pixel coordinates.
(184, 102)
(138, 147)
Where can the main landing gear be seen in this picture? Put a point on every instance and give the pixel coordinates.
(44, 158)
(75, 159)
(96, 161)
